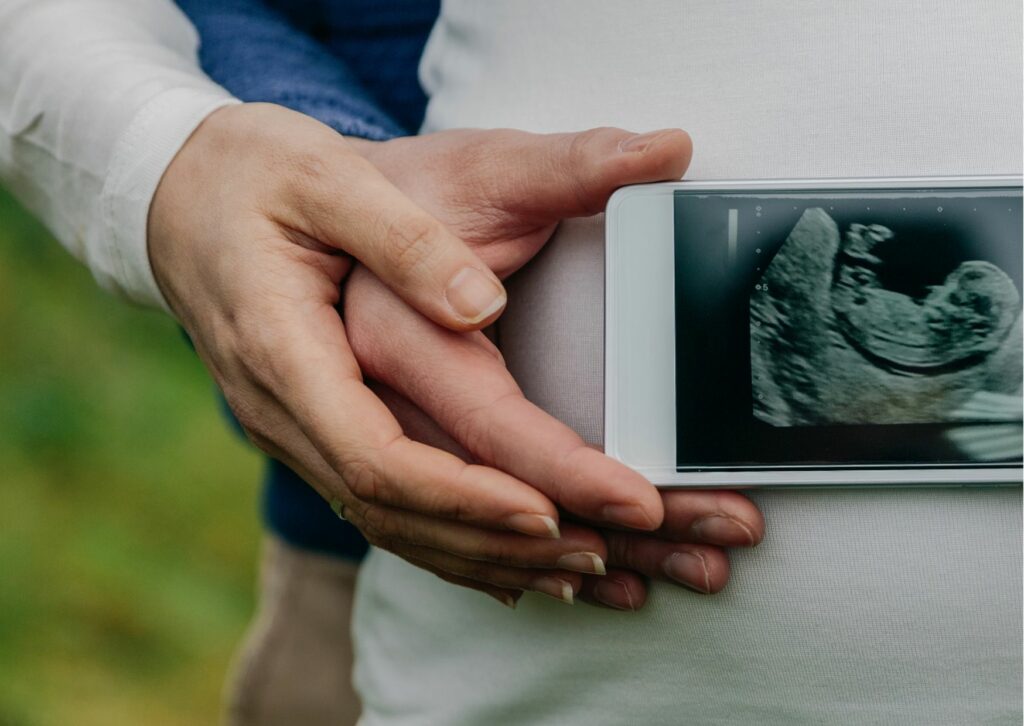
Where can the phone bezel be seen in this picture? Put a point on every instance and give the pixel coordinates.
(640, 366)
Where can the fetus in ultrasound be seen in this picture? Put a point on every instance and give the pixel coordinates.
(967, 315)
(841, 334)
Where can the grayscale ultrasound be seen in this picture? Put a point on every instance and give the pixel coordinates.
(864, 327)
(840, 333)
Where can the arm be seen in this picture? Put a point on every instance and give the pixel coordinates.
(469, 391)
(252, 217)
(96, 97)
(255, 219)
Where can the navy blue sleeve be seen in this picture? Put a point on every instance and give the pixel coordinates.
(258, 55)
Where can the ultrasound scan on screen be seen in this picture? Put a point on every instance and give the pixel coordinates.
(849, 328)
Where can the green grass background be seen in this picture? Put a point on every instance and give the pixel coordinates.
(128, 511)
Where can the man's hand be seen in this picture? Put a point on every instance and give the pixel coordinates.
(251, 232)
(504, 192)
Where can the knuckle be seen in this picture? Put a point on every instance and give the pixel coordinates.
(366, 523)
(258, 342)
(254, 360)
(308, 171)
(580, 148)
(488, 548)
(572, 477)
(583, 174)
(481, 572)
(472, 430)
(246, 416)
(620, 550)
(259, 440)
(378, 525)
(450, 505)
(410, 242)
(478, 429)
(364, 480)
(255, 425)
(453, 502)
(306, 164)
(502, 554)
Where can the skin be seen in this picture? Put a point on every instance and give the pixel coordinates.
(254, 227)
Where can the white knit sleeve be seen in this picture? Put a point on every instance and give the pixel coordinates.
(96, 98)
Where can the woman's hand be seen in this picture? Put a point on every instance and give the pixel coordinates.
(252, 230)
(504, 192)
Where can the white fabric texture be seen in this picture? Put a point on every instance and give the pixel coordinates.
(861, 606)
(96, 98)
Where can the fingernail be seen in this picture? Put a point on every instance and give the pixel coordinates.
(553, 587)
(473, 295)
(586, 562)
(535, 525)
(690, 569)
(628, 515)
(640, 142)
(721, 529)
(504, 598)
(339, 508)
(614, 594)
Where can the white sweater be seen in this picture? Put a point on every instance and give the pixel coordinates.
(861, 607)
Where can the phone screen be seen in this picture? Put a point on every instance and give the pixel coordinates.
(848, 328)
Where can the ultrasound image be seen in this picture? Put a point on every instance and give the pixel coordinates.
(861, 323)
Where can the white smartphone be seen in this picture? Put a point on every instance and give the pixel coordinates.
(855, 332)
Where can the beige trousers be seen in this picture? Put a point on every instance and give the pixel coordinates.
(295, 665)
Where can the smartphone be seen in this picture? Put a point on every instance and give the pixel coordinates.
(855, 332)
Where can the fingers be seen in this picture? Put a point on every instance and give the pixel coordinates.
(578, 549)
(338, 198)
(413, 476)
(558, 584)
(722, 518)
(702, 568)
(553, 176)
(457, 381)
(416, 424)
(507, 597)
(314, 378)
(674, 553)
(496, 563)
(619, 589)
(688, 548)
(577, 477)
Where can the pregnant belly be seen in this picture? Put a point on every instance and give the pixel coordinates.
(860, 607)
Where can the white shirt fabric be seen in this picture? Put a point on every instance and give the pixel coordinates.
(96, 98)
(861, 606)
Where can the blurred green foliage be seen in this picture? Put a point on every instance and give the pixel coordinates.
(128, 514)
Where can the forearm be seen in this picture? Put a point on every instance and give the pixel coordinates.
(96, 98)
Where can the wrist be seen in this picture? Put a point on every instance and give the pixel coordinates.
(142, 156)
(186, 202)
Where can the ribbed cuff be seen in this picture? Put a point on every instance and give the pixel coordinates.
(141, 157)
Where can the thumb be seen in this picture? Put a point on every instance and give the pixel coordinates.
(343, 201)
(553, 176)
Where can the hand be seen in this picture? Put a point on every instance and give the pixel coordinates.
(250, 234)
(504, 192)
